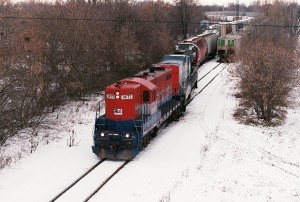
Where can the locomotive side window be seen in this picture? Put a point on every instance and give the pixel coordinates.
(146, 97)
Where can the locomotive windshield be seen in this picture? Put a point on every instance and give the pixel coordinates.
(184, 46)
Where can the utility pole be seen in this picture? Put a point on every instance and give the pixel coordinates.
(237, 10)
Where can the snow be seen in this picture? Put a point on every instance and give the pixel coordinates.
(205, 156)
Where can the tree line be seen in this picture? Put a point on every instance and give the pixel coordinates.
(50, 53)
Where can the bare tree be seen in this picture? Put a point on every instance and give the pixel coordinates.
(52, 52)
(154, 37)
(186, 14)
(267, 73)
(268, 65)
(285, 14)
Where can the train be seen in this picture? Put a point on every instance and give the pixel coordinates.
(230, 38)
(138, 106)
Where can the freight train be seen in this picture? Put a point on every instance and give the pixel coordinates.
(230, 41)
(136, 107)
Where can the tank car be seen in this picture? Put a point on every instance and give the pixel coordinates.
(195, 47)
(202, 45)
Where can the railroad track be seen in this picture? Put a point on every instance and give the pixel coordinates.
(105, 181)
(96, 174)
(122, 164)
(209, 72)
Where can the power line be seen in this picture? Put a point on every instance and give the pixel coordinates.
(136, 21)
(81, 19)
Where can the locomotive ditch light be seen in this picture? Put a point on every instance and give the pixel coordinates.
(102, 134)
(127, 135)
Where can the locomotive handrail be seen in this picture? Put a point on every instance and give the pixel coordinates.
(135, 126)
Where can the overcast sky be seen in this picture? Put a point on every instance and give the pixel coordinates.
(246, 2)
(221, 2)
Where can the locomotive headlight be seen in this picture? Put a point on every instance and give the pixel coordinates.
(127, 135)
(102, 134)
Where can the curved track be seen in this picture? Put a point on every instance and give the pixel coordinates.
(213, 69)
(95, 178)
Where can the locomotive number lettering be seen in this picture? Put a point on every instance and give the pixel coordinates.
(110, 96)
(127, 97)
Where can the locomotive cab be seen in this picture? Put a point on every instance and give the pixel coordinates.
(121, 101)
(134, 108)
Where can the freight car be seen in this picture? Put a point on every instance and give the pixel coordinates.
(230, 43)
(136, 107)
(211, 38)
(195, 47)
(200, 42)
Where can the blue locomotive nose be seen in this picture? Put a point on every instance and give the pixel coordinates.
(115, 141)
(114, 137)
(114, 147)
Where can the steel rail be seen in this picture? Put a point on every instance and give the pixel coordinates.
(208, 72)
(107, 180)
(191, 99)
(76, 181)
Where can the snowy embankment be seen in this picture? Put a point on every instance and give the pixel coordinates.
(205, 156)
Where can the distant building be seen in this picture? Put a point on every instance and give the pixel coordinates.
(227, 15)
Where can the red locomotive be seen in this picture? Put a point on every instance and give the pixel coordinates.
(137, 106)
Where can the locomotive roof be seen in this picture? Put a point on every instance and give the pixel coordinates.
(142, 81)
(171, 62)
(186, 42)
(175, 58)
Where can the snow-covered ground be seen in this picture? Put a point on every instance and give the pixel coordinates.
(205, 156)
